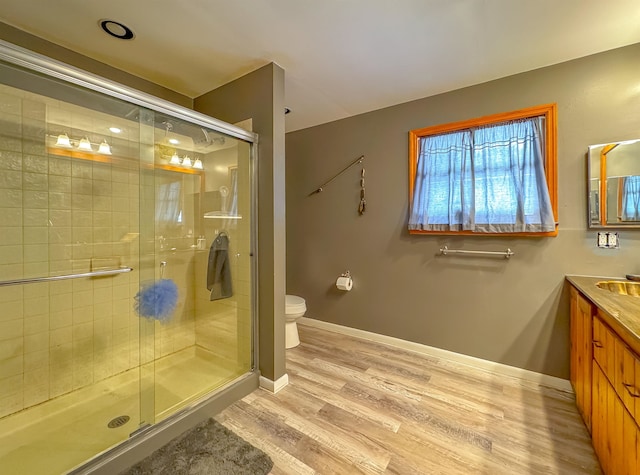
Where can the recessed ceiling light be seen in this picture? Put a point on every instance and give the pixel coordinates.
(115, 130)
(116, 29)
(174, 141)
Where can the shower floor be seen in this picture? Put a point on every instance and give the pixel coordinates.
(60, 434)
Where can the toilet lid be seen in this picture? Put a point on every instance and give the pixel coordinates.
(294, 303)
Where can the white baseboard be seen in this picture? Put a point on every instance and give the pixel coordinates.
(492, 366)
(274, 386)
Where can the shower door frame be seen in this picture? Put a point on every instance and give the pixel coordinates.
(149, 438)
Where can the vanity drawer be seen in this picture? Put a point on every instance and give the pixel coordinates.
(604, 348)
(627, 377)
(620, 365)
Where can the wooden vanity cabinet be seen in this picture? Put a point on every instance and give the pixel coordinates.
(610, 401)
(615, 433)
(581, 353)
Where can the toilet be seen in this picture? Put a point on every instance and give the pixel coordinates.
(294, 309)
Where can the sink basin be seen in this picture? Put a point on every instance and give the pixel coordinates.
(621, 287)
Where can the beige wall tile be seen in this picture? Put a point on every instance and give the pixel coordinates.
(36, 342)
(35, 217)
(11, 235)
(36, 360)
(37, 324)
(35, 394)
(36, 306)
(36, 253)
(11, 216)
(11, 329)
(11, 404)
(82, 315)
(11, 367)
(36, 235)
(11, 254)
(10, 294)
(11, 348)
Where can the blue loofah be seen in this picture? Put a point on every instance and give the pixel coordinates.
(157, 300)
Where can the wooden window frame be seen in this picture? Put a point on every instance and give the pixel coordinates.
(549, 111)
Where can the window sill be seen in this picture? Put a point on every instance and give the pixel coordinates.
(472, 233)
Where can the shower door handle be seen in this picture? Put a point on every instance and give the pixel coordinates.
(97, 273)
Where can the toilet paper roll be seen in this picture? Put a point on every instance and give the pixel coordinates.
(344, 283)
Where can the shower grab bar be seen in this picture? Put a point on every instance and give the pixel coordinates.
(97, 273)
(506, 254)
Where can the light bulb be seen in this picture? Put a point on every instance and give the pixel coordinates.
(104, 148)
(63, 141)
(186, 162)
(175, 160)
(85, 145)
(198, 164)
(115, 130)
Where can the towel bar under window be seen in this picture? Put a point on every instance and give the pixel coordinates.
(506, 254)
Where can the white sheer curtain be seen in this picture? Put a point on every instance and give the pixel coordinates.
(487, 179)
(169, 203)
(233, 210)
(631, 199)
(444, 168)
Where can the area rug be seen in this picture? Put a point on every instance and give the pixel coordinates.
(207, 449)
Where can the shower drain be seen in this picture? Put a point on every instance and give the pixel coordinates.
(118, 422)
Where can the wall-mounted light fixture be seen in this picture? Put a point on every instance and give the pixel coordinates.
(84, 144)
(175, 160)
(63, 141)
(185, 161)
(104, 148)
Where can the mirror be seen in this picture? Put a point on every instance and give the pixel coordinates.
(614, 184)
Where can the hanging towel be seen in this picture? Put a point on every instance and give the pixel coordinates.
(219, 269)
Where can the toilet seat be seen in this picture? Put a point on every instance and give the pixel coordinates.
(294, 304)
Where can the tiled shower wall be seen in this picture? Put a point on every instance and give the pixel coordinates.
(57, 214)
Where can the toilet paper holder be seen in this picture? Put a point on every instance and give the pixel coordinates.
(344, 282)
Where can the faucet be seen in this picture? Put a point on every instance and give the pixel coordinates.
(634, 277)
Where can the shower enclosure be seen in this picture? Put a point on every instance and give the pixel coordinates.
(105, 195)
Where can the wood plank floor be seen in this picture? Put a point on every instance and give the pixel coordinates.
(355, 406)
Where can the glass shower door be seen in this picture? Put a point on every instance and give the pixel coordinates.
(202, 225)
(100, 201)
(69, 266)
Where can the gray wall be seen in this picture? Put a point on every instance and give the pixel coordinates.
(509, 311)
(260, 96)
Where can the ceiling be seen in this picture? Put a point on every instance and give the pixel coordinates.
(341, 57)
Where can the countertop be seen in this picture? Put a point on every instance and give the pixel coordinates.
(623, 310)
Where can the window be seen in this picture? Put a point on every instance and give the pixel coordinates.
(169, 203)
(492, 175)
(630, 198)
